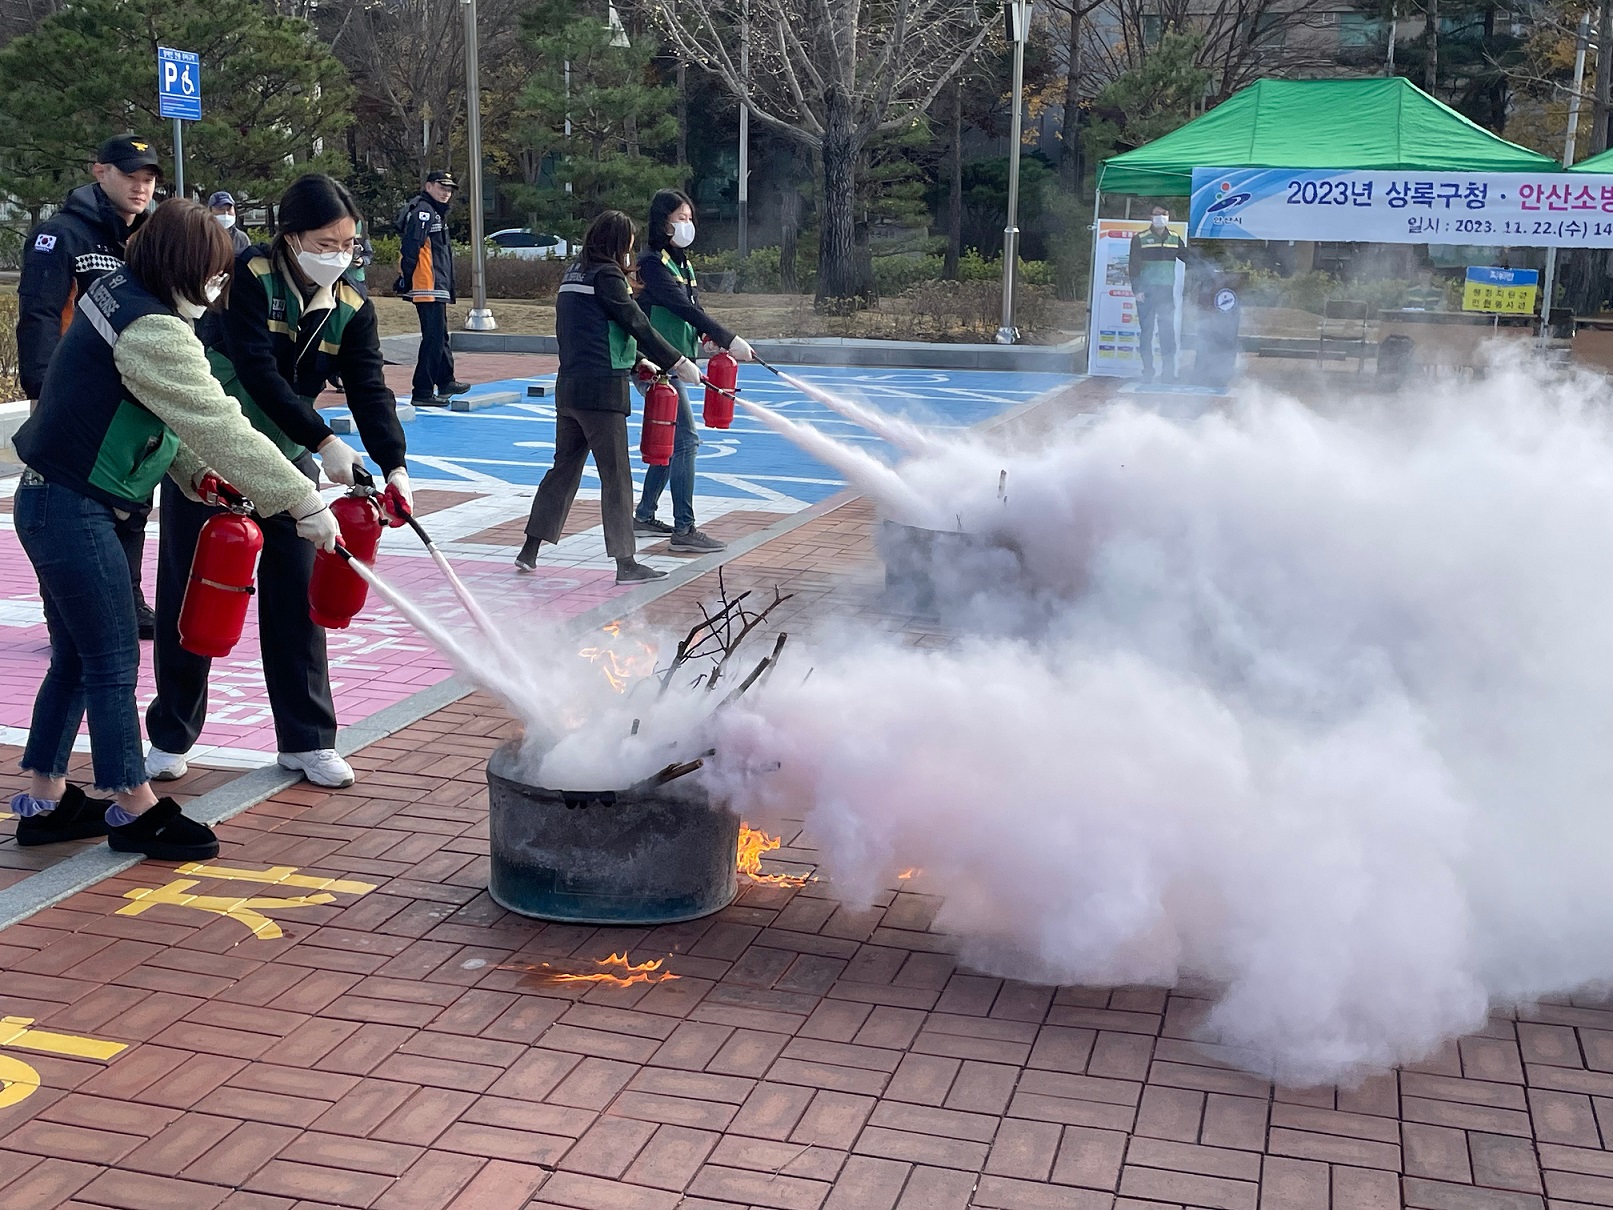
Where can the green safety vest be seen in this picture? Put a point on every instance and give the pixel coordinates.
(680, 334)
(285, 313)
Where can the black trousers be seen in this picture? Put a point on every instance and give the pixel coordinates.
(131, 531)
(1157, 305)
(577, 434)
(434, 368)
(293, 646)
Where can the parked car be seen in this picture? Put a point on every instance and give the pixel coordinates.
(529, 244)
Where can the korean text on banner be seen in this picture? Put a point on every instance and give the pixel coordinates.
(1114, 345)
(1531, 210)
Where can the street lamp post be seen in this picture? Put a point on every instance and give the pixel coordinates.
(744, 131)
(1549, 278)
(1018, 15)
(480, 318)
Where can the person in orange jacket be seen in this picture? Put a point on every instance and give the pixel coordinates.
(428, 282)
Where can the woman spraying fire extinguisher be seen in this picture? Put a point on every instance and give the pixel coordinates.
(669, 295)
(294, 321)
(128, 398)
(601, 333)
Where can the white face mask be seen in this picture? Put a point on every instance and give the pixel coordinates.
(324, 268)
(225, 220)
(1161, 221)
(682, 234)
(213, 290)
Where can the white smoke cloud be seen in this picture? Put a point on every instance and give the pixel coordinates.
(1313, 705)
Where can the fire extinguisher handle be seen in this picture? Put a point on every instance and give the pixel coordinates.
(362, 477)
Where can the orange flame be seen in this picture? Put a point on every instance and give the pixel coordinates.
(911, 872)
(643, 972)
(752, 844)
(620, 670)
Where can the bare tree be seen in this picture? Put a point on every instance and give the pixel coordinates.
(830, 75)
(407, 58)
(1243, 40)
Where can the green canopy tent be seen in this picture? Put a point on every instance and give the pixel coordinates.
(1597, 163)
(1381, 124)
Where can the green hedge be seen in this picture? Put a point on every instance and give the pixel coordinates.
(759, 273)
(10, 388)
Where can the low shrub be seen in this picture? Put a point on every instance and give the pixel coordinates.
(10, 386)
(507, 276)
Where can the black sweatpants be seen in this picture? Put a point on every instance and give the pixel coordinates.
(292, 645)
(434, 368)
(577, 433)
(131, 532)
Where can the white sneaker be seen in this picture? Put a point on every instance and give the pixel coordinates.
(321, 766)
(165, 766)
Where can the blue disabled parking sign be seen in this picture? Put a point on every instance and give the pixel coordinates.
(179, 84)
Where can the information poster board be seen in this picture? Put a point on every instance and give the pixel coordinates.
(1114, 347)
(1504, 209)
(1500, 291)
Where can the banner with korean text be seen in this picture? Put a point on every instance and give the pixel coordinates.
(1539, 210)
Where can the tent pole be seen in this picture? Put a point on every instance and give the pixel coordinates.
(1581, 43)
(1092, 277)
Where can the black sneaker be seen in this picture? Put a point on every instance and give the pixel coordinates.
(146, 619)
(165, 833)
(633, 572)
(453, 388)
(527, 559)
(651, 528)
(692, 541)
(76, 817)
(429, 401)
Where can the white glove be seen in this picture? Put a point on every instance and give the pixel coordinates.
(685, 370)
(399, 478)
(338, 460)
(316, 522)
(740, 349)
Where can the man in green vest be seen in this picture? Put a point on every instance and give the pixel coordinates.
(1154, 254)
(1426, 295)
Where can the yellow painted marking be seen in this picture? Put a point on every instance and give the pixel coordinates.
(243, 908)
(18, 1081)
(14, 1031)
(280, 875)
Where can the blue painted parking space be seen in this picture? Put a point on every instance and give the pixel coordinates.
(511, 443)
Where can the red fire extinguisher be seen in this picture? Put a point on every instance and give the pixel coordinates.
(660, 423)
(722, 377)
(336, 592)
(221, 573)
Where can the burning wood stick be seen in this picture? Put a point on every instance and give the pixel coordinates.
(674, 771)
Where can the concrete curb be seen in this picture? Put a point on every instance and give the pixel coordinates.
(831, 351)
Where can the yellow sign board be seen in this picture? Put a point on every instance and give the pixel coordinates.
(1500, 291)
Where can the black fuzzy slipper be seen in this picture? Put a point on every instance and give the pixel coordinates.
(165, 834)
(76, 817)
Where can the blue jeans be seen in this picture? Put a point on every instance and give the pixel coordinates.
(73, 544)
(681, 470)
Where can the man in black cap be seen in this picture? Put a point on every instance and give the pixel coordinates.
(61, 260)
(222, 204)
(428, 281)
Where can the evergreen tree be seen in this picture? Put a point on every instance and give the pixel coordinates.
(586, 71)
(272, 93)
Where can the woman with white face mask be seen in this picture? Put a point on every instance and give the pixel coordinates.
(128, 398)
(294, 322)
(669, 296)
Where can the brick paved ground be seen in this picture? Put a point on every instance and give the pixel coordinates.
(375, 1054)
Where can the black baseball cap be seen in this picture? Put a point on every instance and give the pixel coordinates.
(445, 179)
(129, 153)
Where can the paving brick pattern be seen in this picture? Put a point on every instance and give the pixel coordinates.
(378, 1054)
